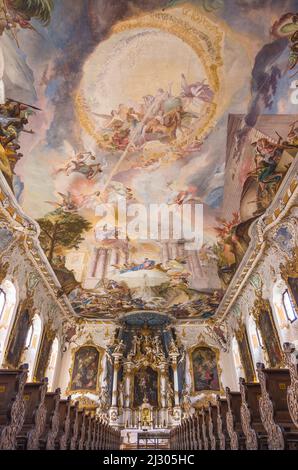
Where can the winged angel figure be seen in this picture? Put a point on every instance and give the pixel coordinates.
(85, 163)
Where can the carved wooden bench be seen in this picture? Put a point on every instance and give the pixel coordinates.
(12, 407)
(234, 427)
(276, 419)
(254, 431)
(292, 390)
(35, 415)
(212, 423)
(87, 443)
(73, 426)
(192, 427)
(188, 443)
(64, 424)
(47, 439)
(222, 431)
(204, 427)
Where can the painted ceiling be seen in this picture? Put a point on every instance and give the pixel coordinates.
(147, 103)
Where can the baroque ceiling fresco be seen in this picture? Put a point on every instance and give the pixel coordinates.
(147, 103)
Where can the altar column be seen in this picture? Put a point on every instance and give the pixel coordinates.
(177, 409)
(114, 408)
(127, 394)
(163, 395)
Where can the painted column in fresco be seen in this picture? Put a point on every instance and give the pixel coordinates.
(165, 255)
(114, 258)
(195, 265)
(181, 249)
(101, 264)
(174, 250)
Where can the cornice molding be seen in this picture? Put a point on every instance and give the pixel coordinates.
(29, 230)
(285, 198)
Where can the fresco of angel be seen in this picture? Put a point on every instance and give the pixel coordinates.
(67, 204)
(85, 163)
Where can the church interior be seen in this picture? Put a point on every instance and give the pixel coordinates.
(148, 225)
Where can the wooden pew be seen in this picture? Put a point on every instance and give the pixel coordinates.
(93, 434)
(292, 390)
(222, 431)
(88, 432)
(187, 434)
(98, 434)
(47, 439)
(198, 428)
(35, 415)
(64, 424)
(276, 419)
(12, 406)
(253, 429)
(74, 426)
(234, 427)
(205, 436)
(212, 426)
(193, 441)
(82, 431)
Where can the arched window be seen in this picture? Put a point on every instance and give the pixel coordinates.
(32, 344)
(255, 340)
(50, 371)
(289, 308)
(29, 337)
(7, 314)
(237, 360)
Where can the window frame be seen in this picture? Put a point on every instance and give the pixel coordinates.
(286, 292)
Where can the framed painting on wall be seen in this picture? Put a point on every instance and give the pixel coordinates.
(262, 313)
(85, 369)
(245, 354)
(204, 368)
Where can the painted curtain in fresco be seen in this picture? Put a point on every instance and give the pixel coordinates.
(146, 383)
(245, 355)
(270, 337)
(205, 371)
(18, 339)
(44, 356)
(85, 369)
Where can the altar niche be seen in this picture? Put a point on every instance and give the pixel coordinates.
(146, 386)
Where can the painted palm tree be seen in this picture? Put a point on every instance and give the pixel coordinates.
(41, 10)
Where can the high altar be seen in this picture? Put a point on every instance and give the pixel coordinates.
(147, 364)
